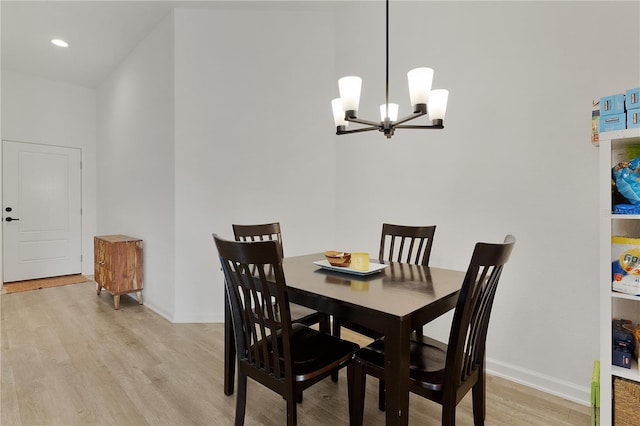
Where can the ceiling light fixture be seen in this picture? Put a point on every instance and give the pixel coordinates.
(423, 100)
(60, 43)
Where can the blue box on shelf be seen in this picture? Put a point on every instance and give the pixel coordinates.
(621, 357)
(632, 99)
(609, 123)
(633, 118)
(613, 104)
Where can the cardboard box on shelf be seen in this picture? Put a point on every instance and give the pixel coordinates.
(612, 122)
(633, 118)
(632, 99)
(613, 104)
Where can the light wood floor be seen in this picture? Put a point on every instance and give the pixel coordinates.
(68, 358)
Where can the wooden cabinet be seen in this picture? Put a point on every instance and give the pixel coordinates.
(614, 148)
(118, 265)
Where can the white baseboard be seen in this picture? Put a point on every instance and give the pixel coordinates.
(551, 385)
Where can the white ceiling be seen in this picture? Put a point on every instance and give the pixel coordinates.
(100, 34)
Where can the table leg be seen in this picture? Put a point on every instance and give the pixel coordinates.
(229, 349)
(396, 360)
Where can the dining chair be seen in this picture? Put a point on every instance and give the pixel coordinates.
(299, 314)
(271, 349)
(398, 243)
(441, 372)
(272, 231)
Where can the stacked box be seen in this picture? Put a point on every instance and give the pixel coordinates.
(609, 123)
(612, 113)
(632, 99)
(610, 105)
(633, 118)
(632, 103)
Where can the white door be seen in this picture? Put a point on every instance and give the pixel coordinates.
(41, 211)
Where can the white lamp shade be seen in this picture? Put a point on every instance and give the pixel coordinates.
(420, 80)
(393, 112)
(437, 105)
(338, 113)
(350, 92)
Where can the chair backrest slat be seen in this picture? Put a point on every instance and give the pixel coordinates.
(261, 232)
(417, 239)
(467, 339)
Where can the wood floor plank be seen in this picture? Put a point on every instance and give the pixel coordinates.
(69, 358)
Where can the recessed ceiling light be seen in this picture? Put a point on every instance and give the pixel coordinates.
(60, 43)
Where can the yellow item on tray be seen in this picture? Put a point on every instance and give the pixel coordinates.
(360, 261)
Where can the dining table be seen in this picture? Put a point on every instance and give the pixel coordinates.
(390, 297)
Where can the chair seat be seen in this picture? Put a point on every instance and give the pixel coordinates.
(314, 353)
(426, 362)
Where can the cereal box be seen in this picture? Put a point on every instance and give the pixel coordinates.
(625, 265)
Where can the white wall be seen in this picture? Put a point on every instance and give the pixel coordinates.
(254, 141)
(136, 160)
(48, 112)
(514, 157)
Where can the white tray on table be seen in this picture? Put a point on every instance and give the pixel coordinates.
(373, 268)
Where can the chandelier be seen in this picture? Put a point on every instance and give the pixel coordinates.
(423, 100)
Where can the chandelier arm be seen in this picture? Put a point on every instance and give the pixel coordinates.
(361, 121)
(433, 126)
(363, 129)
(408, 118)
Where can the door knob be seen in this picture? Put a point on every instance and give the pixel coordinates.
(9, 219)
(8, 209)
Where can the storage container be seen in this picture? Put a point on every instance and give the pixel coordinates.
(613, 104)
(613, 122)
(633, 118)
(626, 400)
(632, 99)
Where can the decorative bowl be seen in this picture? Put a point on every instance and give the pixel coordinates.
(338, 258)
